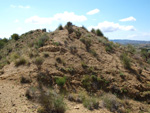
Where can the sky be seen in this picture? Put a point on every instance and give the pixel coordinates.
(117, 19)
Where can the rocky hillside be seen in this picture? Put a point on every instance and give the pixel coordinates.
(72, 69)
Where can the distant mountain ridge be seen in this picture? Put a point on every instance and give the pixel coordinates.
(130, 41)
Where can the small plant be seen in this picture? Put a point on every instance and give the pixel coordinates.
(131, 48)
(84, 65)
(78, 33)
(51, 103)
(109, 47)
(58, 59)
(60, 27)
(99, 32)
(93, 31)
(93, 52)
(87, 43)
(126, 61)
(38, 62)
(20, 61)
(42, 40)
(45, 54)
(25, 80)
(122, 75)
(86, 82)
(111, 102)
(15, 36)
(69, 27)
(61, 81)
(91, 103)
(56, 43)
(73, 50)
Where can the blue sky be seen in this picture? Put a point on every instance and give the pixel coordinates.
(118, 19)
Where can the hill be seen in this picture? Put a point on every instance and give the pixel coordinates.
(75, 69)
(130, 41)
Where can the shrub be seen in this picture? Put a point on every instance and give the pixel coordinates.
(15, 36)
(60, 27)
(93, 31)
(91, 103)
(58, 59)
(87, 43)
(126, 61)
(25, 80)
(20, 61)
(131, 49)
(45, 54)
(111, 102)
(86, 82)
(145, 54)
(51, 103)
(83, 27)
(84, 65)
(93, 52)
(78, 33)
(42, 40)
(73, 50)
(38, 62)
(99, 33)
(69, 27)
(61, 81)
(109, 47)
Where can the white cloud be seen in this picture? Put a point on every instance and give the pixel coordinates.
(111, 27)
(92, 12)
(66, 16)
(16, 21)
(128, 19)
(20, 6)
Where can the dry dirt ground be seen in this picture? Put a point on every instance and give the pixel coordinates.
(13, 100)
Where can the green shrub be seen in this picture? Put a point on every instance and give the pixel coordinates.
(99, 32)
(61, 81)
(58, 59)
(87, 43)
(109, 47)
(84, 65)
(86, 82)
(45, 54)
(73, 49)
(60, 27)
(69, 27)
(38, 62)
(25, 80)
(78, 33)
(111, 102)
(93, 31)
(15, 36)
(42, 41)
(51, 103)
(131, 48)
(20, 61)
(126, 61)
(91, 103)
(93, 52)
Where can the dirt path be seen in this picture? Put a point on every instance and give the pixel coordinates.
(12, 99)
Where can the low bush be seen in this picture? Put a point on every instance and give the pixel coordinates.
(87, 43)
(99, 32)
(111, 102)
(126, 61)
(25, 80)
(15, 36)
(51, 103)
(60, 81)
(20, 61)
(93, 31)
(60, 27)
(91, 103)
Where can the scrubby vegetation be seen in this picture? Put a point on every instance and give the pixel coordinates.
(61, 64)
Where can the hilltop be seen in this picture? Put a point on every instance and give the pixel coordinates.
(72, 70)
